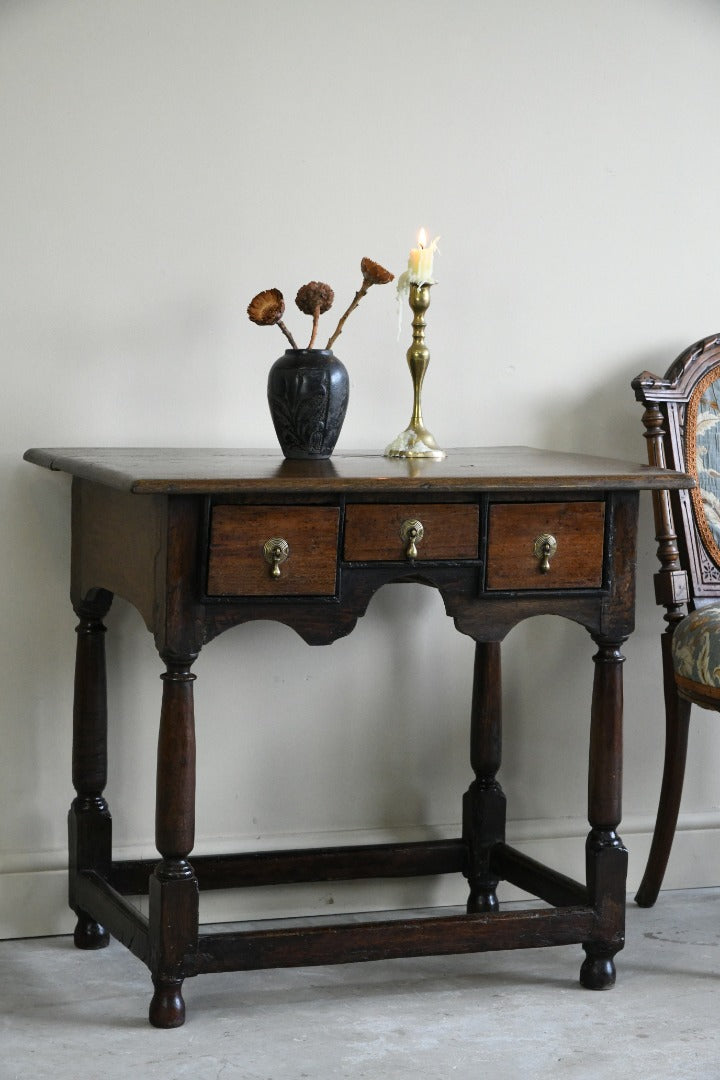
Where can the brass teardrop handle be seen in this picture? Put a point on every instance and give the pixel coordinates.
(276, 551)
(544, 548)
(412, 533)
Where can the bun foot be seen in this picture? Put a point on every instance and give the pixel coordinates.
(482, 902)
(89, 934)
(598, 970)
(167, 1008)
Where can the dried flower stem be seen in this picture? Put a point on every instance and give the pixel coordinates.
(356, 300)
(316, 320)
(287, 333)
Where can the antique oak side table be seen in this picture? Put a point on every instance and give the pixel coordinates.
(201, 540)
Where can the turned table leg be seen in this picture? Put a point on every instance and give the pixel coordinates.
(89, 822)
(484, 802)
(173, 914)
(606, 857)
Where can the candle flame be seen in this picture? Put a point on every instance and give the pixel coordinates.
(422, 238)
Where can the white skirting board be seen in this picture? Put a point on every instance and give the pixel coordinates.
(33, 898)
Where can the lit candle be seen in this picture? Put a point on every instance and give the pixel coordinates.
(420, 261)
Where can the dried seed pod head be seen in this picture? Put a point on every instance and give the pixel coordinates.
(314, 297)
(267, 308)
(375, 274)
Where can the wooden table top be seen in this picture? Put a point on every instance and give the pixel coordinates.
(162, 470)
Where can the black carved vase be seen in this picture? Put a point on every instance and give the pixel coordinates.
(308, 392)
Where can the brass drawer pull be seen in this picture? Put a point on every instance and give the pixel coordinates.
(412, 533)
(276, 551)
(543, 549)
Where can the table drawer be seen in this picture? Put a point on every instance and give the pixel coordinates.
(374, 532)
(514, 530)
(237, 564)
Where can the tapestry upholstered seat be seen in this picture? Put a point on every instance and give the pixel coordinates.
(696, 655)
(682, 428)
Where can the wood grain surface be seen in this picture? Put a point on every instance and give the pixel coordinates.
(208, 471)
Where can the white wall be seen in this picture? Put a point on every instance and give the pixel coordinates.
(162, 162)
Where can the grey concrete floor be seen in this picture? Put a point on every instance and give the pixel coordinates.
(512, 1015)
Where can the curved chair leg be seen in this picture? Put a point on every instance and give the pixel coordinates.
(677, 719)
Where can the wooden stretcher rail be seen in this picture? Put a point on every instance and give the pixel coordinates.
(95, 895)
(349, 943)
(348, 863)
(537, 879)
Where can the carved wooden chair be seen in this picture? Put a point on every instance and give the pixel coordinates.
(682, 428)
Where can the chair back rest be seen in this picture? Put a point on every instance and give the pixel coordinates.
(682, 428)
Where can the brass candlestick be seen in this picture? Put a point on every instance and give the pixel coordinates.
(416, 441)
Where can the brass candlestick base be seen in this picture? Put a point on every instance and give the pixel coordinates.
(416, 441)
